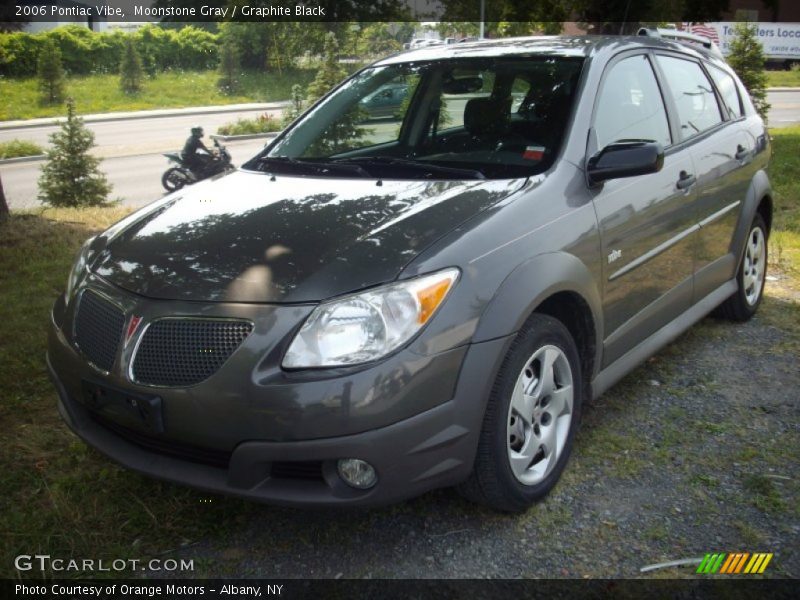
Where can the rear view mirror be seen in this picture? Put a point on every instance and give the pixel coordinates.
(462, 85)
(625, 159)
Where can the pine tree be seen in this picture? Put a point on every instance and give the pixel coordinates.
(330, 72)
(346, 133)
(747, 59)
(131, 72)
(229, 67)
(71, 176)
(51, 73)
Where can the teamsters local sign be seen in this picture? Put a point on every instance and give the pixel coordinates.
(779, 40)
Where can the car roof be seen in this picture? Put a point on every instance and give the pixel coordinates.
(581, 46)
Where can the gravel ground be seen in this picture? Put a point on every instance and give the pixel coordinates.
(696, 451)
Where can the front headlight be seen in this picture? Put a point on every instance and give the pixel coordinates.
(78, 268)
(366, 326)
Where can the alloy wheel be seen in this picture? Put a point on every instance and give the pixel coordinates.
(539, 415)
(753, 266)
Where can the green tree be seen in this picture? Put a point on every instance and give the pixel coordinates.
(747, 59)
(229, 66)
(51, 73)
(71, 176)
(330, 71)
(346, 132)
(131, 72)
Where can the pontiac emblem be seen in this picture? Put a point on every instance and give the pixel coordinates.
(133, 325)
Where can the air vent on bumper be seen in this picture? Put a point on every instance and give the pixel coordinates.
(185, 351)
(98, 329)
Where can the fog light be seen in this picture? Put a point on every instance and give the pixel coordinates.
(357, 473)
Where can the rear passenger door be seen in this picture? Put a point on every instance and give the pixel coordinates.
(710, 124)
(646, 222)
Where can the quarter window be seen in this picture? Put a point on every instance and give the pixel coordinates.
(693, 95)
(630, 106)
(727, 89)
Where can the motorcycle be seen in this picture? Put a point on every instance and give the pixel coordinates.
(181, 175)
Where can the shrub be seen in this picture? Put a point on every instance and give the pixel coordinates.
(17, 148)
(265, 123)
(296, 106)
(84, 51)
(51, 74)
(71, 176)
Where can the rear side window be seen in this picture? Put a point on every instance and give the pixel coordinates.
(727, 89)
(693, 94)
(630, 105)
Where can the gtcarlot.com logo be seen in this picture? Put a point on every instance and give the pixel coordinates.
(47, 563)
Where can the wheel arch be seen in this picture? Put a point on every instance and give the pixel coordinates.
(757, 200)
(557, 284)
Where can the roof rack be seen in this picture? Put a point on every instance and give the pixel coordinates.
(684, 37)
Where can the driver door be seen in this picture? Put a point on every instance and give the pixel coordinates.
(646, 222)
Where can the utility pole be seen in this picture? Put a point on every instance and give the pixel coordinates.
(483, 13)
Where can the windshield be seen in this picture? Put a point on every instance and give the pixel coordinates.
(453, 119)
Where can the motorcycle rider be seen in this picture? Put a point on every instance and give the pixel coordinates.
(195, 154)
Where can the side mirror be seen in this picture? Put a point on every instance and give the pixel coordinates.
(625, 159)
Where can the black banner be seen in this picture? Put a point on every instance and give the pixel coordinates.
(383, 589)
(134, 11)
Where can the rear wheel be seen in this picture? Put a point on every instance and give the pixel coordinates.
(174, 179)
(751, 276)
(530, 420)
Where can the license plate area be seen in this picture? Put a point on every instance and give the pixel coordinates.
(124, 407)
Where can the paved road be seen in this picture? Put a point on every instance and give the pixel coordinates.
(138, 136)
(785, 109)
(132, 149)
(136, 179)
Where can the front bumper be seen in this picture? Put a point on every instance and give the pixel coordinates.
(432, 447)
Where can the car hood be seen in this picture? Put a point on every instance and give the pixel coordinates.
(248, 237)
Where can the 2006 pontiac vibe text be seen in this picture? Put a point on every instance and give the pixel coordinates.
(422, 280)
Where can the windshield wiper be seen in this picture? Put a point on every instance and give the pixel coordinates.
(416, 165)
(316, 167)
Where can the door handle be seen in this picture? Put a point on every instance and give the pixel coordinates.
(741, 152)
(686, 180)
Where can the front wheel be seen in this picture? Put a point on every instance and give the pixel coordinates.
(174, 179)
(750, 277)
(531, 419)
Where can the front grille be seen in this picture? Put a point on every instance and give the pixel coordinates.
(204, 456)
(98, 329)
(180, 352)
(297, 470)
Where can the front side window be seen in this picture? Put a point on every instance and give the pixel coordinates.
(466, 118)
(630, 106)
(727, 89)
(693, 94)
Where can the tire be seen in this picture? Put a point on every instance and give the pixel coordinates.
(174, 179)
(508, 442)
(750, 277)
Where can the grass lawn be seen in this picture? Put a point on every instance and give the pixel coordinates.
(19, 98)
(783, 78)
(59, 497)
